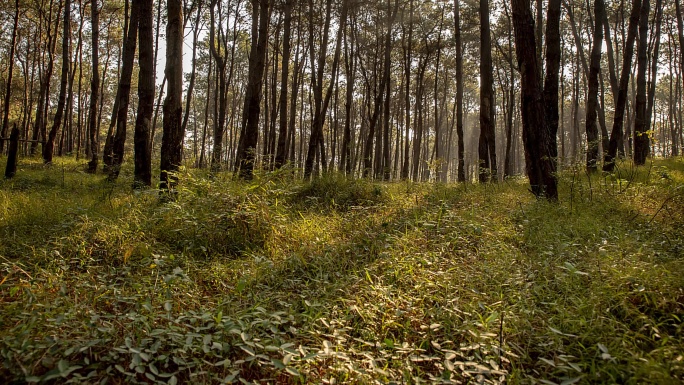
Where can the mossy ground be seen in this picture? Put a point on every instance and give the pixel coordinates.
(340, 281)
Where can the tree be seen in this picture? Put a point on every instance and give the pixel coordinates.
(250, 114)
(48, 149)
(618, 117)
(641, 138)
(487, 142)
(123, 92)
(538, 162)
(94, 88)
(592, 97)
(172, 139)
(281, 151)
(459, 92)
(143, 120)
(551, 79)
(10, 69)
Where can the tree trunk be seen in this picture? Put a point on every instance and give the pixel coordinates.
(654, 64)
(172, 139)
(459, 93)
(616, 134)
(220, 59)
(592, 97)
(94, 88)
(540, 167)
(123, 92)
(281, 150)
(641, 138)
(48, 149)
(487, 143)
(191, 84)
(250, 121)
(407, 87)
(350, 74)
(551, 80)
(11, 166)
(10, 69)
(143, 121)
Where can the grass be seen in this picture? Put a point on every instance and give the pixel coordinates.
(341, 281)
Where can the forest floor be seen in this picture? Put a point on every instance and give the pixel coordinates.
(341, 281)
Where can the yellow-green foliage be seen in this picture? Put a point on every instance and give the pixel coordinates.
(281, 281)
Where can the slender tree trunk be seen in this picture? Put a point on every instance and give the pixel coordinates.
(592, 97)
(172, 139)
(654, 64)
(193, 71)
(48, 149)
(218, 53)
(459, 93)
(281, 149)
(407, 86)
(94, 88)
(611, 57)
(350, 73)
(551, 80)
(146, 89)
(246, 156)
(11, 166)
(123, 92)
(10, 69)
(487, 143)
(616, 134)
(641, 138)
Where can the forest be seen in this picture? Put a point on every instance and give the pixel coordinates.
(318, 191)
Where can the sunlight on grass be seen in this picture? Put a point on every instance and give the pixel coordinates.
(342, 281)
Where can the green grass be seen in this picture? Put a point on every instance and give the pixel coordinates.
(341, 281)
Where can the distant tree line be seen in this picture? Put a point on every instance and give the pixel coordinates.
(392, 89)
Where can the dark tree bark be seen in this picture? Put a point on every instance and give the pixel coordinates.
(281, 149)
(94, 89)
(11, 166)
(407, 85)
(641, 138)
(459, 93)
(551, 80)
(143, 121)
(193, 72)
(616, 134)
(218, 52)
(39, 134)
(592, 97)
(249, 137)
(350, 73)
(611, 58)
(654, 64)
(10, 69)
(386, 169)
(509, 157)
(321, 101)
(48, 149)
(123, 92)
(680, 37)
(487, 143)
(538, 162)
(172, 139)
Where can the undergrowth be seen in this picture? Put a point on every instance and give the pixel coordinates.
(341, 280)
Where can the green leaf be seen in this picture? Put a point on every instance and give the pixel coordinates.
(173, 380)
(278, 363)
(62, 365)
(292, 371)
